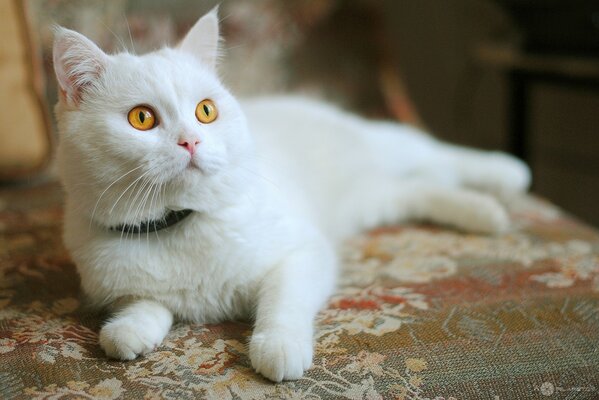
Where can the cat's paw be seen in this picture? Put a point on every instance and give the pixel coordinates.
(281, 355)
(504, 175)
(486, 215)
(125, 340)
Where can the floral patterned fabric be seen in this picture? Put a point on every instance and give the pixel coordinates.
(421, 312)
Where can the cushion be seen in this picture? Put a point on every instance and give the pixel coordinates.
(420, 312)
(24, 137)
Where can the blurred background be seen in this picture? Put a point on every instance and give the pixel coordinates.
(514, 75)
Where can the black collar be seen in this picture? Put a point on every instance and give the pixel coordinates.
(169, 219)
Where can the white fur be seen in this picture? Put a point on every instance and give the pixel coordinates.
(271, 204)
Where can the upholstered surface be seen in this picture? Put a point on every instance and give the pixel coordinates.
(421, 312)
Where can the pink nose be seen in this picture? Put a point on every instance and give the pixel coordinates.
(189, 144)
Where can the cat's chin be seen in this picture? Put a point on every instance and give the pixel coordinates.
(200, 167)
(193, 171)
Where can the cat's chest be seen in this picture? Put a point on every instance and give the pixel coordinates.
(203, 268)
(203, 252)
(207, 274)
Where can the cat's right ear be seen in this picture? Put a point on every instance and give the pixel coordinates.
(78, 63)
(202, 39)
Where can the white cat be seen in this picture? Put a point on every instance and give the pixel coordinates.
(177, 206)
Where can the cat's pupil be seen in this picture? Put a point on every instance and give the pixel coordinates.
(142, 117)
(206, 110)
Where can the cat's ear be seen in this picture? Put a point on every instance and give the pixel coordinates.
(78, 63)
(202, 39)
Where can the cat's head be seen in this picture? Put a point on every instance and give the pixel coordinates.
(140, 133)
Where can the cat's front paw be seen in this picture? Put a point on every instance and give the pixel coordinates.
(281, 355)
(124, 340)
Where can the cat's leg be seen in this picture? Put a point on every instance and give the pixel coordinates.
(289, 297)
(384, 201)
(498, 173)
(136, 329)
(461, 208)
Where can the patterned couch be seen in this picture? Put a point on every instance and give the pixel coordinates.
(421, 312)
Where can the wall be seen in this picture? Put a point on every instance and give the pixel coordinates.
(466, 101)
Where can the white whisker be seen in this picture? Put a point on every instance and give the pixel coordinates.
(122, 194)
(140, 192)
(109, 186)
(120, 40)
(129, 30)
(129, 202)
(146, 189)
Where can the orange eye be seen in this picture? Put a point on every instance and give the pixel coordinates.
(206, 111)
(142, 118)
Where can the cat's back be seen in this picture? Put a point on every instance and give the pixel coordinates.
(316, 154)
(297, 122)
(304, 149)
(321, 135)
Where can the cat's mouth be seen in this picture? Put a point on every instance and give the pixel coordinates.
(203, 166)
(194, 165)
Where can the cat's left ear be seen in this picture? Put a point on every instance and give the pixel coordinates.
(202, 39)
